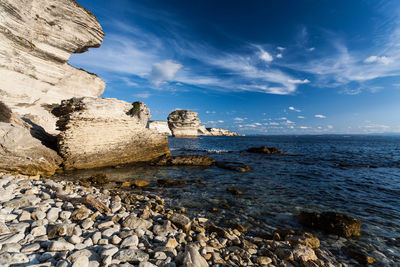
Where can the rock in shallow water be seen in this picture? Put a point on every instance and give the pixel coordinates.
(264, 150)
(332, 222)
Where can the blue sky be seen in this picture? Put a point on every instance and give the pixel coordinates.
(256, 67)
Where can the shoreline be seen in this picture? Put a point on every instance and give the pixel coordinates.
(38, 226)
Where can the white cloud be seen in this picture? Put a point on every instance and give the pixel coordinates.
(264, 55)
(311, 49)
(279, 55)
(164, 71)
(283, 118)
(290, 122)
(304, 127)
(142, 95)
(294, 109)
(257, 124)
(210, 112)
(320, 116)
(330, 127)
(239, 119)
(280, 48)
(220, 121)
(300, 117)
(376, 59)
(299, 81)
(273, 123)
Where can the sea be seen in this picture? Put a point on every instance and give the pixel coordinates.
(358, 175)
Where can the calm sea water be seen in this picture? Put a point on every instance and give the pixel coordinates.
(355, 175)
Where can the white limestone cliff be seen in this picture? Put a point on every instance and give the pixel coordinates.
(37, 38)
(160, 126)
(183, 123)
(106, 132)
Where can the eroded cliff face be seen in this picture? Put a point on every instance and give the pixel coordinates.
(105, 132)
(37, 38)
(161, 127)
(183, 123)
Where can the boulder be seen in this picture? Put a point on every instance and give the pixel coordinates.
(37, 38)
(20, 151)
(160, 126)
(264, 150)
(183, 123)
(332, 223)
(105, 132)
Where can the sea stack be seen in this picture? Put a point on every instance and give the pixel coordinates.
(106, 132)
(184, 123)
(37, 38)
(160, 126)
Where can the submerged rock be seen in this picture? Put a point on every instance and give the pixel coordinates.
(264, 150)
(332, 222)
(234, 191)
(183, 123)
(37, 38)
(358, 254)
(105, 132)
(233, 166)
(184, 160)
(171, 182)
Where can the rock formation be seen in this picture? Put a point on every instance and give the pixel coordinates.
(105, 132)
(183, 123)
(160, 126)
(37, 38)
(20, 152)
(221, 132)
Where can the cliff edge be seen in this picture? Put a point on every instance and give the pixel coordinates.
(37, 38)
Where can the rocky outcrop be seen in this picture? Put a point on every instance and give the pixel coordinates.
(264, 150)
(183, 123)
(221, 132)
(20, 151)
(160, 126)
(141, 112)
(37, 38)
(105, 132)
(202, 130)
(184, 160)
(332, 223)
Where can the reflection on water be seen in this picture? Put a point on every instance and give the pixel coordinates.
(355, 175)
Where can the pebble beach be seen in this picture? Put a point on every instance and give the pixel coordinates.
(40, 227)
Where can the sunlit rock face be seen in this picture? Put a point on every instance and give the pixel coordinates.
(37, 38)
(160, 126)
(183, 123)
(20, 151)
(106, 132)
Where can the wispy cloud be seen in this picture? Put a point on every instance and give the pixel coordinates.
(299, 81)
(142, 95)
(294, 109)
(320, 116)
(376, 59)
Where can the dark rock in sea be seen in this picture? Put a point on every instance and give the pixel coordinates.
(234, 191)
(234, 166)
(345, 165)
(264, 150)
(184, 160)
(171, 182)
(332, 222)
(358, 254)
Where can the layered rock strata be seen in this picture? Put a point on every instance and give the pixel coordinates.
(183, 123)
(20, 151)
(160, 126)
(37, 38)
(220, 132)
(105, 132)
